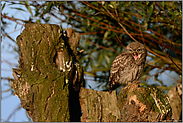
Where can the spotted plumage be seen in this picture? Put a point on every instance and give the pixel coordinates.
(127, 66)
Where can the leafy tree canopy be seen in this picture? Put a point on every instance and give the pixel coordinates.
(107, 27)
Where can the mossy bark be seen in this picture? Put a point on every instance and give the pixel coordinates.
(42, 80)
(133, 104)
(49, 84)
(175, 95)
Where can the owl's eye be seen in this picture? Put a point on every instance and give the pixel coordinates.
(130, 50)
(139, 50)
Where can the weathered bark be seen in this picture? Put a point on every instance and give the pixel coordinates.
(47, 70)
(175, 95)
(49, 79)
(143, 104)
(133, 104)
(98, 106)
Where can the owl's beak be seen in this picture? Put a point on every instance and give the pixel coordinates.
(135, 55)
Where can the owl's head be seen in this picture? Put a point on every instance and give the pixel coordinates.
(137, 50)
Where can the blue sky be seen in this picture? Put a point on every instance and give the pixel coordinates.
(10, 103)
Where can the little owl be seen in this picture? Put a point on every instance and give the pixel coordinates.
(128, 66)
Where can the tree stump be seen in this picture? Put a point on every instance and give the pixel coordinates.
(47, 70)
(49, 83)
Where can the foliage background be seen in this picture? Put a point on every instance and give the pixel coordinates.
(106, 28)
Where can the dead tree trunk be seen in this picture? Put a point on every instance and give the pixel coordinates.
(49, 77)
(133, 104)
(49, 84)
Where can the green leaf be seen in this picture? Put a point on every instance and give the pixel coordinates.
(106, 34)
(100, 60)
(147, 2)
(17, 8)
(110, 5)
(163, 4)
(21, 2)
(28, 7)
(107, 59)
(94, 3)
(151, 9)
(88, 22)
(91, 63)
(15, 26)
(3, 6)
(48, 8)
(103, 2)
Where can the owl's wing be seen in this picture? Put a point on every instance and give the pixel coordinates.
(118, 66)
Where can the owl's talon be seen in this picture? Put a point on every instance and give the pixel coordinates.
(137, 82)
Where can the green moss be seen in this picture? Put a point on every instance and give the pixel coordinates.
(147, 96)
(37, 45)
(111, 117)
(122, 98)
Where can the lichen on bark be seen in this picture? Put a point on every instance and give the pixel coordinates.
(49, 79)
(44, 92)
(143, 104)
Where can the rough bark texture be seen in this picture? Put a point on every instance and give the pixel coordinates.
(49, 79)
(133, 104)
(143, 104)
(98, 106)
(47, 70)
(175, 95)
